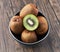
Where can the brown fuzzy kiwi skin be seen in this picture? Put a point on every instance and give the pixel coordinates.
(16, 24)
(43, 26)
(28, 9)
(28, 36)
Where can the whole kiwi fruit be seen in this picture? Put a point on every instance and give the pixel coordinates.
(43, 26)
(16, 24)
(29, 9)
(28, 36)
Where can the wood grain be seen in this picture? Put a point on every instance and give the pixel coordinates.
(56, 8)
(50, 8)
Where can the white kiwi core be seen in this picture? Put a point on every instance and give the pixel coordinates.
(30, 22)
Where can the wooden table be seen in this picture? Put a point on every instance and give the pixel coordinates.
(50, 8)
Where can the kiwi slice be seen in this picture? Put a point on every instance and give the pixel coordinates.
(30, 22)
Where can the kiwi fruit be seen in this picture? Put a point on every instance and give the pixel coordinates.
(43, 26)
(16, 24)
(30, 22)
(29, 9)
(28, 36)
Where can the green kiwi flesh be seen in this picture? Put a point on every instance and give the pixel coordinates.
(30, 22)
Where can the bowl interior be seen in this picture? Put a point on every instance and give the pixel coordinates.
(40, 38)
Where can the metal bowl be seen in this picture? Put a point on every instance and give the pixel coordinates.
(18, 39)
